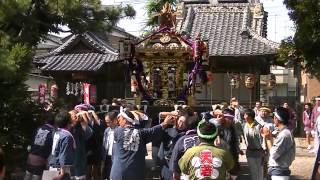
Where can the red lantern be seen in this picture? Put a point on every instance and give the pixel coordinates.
(42, 93)
(86, 94)
(93, 94)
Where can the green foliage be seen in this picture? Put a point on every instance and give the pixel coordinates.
(305, 15)
(153, 7)
(288, 54)
(23, 23)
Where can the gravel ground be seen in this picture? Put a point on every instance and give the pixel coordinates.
(302, 166)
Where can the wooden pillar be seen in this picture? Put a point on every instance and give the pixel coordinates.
(257, 89)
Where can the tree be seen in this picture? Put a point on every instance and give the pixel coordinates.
(306, 41)
(288, 54)
(23, 23)
(153, 7)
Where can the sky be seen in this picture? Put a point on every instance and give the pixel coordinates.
(279, 24)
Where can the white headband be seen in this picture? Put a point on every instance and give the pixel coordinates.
(126, 117)
(277, 115)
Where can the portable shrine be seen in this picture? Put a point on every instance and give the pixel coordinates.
(165, 65)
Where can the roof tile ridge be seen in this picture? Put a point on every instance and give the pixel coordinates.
(186, 27)
(264, 40)
(57, 60)
(99, 43)
(58, 49)
(245, 20)
(51, 37)
(64, 45)
(224, 7)
(218, 5)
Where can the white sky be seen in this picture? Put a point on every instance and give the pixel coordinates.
(279, 24)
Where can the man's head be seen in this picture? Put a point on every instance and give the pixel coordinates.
(192, 122)
(126, 118)
(111, 118)
(234, 102)
(264, 112)
(285, 105)
(50, 117)
(228, 117)
(307, 106)
(258, 104)
(281, 116)
(183, 116)
(207, 132)
(63, 119)
(74, 117)
(248, 114)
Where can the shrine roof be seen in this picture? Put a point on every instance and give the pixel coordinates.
(78, 62)
(232, 29)
(92, 39)
(80, 52)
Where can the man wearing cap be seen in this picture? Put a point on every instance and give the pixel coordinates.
(130, 143)
(206, 161)
(254, 141)
(264, 119)
(282, 148)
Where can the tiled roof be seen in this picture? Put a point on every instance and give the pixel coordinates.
(92, 39)
(68, 58)
(78, 62)
(230, 28)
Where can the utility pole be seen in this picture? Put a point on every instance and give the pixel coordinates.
(275, 26)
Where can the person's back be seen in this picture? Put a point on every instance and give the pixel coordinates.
(287, 146)
(130, 147)
(206, 161)
(40, 151)
(186, 142)
(62, 149)
(41, 145)
(189, 140)
(282, 147)
(129, 153)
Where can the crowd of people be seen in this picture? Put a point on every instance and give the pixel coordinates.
(80, 143)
